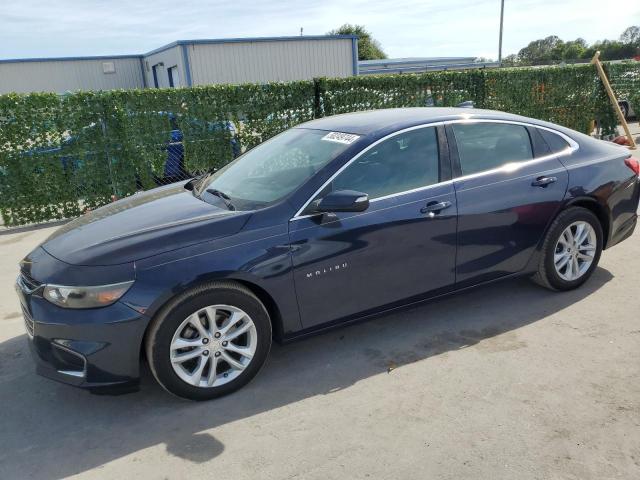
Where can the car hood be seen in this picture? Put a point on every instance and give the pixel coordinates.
(140, 226)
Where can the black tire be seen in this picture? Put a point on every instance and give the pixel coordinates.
(547, 276)
(164, 325)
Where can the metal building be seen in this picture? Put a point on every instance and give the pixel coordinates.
(70, 73)
(420, 64)
(189, 62)
(256, 60)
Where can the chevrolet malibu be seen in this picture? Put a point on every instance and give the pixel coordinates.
(330, 222)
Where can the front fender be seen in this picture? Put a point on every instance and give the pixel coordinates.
(258, 257)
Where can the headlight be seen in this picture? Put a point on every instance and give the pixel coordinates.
(85, 297)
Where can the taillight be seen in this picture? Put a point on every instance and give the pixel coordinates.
(633, 164)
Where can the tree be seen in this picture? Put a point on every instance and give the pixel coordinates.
(552, 49)
(368, 47)
(574, 49)
(631, 35)
(510, 60)
(612, 50)
(540, 50)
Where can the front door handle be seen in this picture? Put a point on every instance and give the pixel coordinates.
(434, 207)
(543, 181)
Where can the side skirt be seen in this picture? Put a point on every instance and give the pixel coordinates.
(325, 327)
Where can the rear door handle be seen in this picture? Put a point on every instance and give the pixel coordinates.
(543, 181)
(434, 207)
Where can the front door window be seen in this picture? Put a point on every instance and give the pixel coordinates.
(402, 163)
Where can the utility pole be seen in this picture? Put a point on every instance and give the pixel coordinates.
(501, 24)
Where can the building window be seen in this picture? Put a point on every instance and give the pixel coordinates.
(108, 67)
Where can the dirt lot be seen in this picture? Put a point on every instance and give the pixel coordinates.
(508, 381)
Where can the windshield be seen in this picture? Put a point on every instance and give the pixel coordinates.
(273, 169)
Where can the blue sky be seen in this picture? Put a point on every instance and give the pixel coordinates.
(36, 28)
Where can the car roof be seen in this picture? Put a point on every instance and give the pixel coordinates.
(390, 119)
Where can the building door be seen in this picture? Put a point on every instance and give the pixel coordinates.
(174, 76)
(154, 70)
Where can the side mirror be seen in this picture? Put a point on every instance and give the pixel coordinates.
(343, 201)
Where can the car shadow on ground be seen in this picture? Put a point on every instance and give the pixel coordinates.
(51, 431)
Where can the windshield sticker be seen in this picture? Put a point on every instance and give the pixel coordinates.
(346, 138)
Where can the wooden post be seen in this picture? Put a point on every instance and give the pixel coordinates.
(607, 86)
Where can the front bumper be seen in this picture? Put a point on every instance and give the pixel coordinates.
(97, 349)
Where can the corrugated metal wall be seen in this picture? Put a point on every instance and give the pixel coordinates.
(69, 74)
(209, 61)
(170, 57)
(419, 65)
(268, 61)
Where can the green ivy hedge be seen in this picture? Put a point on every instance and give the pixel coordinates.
(625, 80)
(572, 96)
(61, 155)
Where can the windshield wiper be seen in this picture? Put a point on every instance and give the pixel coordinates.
(225, 198)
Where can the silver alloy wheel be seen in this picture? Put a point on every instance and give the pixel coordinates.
(213, 346)
(575, 250)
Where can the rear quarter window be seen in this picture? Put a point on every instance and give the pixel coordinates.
(555, 142)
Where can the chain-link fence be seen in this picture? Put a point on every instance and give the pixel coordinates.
(62, 155)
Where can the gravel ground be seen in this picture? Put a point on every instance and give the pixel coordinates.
(508, 381)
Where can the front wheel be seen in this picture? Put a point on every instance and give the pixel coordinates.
(209, 341)
(571, 250)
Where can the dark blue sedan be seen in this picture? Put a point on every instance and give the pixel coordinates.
(330, 222)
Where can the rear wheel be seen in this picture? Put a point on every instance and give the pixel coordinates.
(209, 341)
(571, 250)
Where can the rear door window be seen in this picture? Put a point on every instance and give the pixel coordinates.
(487, 146)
